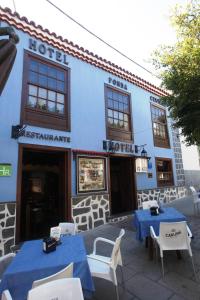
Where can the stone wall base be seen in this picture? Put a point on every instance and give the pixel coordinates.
(162, 195)
(90, 211)
(7, 227)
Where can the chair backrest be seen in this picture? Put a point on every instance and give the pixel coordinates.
(194, 193)
(6, 295)
(174, 236)
(62, 289)
(5, 261)
(149, 204)
(67, 228)
(64, 273)
(116, 253)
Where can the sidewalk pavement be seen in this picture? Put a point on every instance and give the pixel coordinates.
(143, 278)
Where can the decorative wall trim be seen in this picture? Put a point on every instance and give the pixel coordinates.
(162, 195)
(7, 227)
(90, 211)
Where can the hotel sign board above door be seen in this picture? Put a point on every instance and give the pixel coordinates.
(5, 170)
(114, 147)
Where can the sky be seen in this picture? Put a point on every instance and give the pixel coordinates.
(134, 27)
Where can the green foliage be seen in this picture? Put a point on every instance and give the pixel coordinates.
(179, 67)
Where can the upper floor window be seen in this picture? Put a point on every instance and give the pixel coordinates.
(164, 171)
(118, 115)
(159, 123)
(45, 93)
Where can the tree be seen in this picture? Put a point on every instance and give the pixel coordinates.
(179, 67)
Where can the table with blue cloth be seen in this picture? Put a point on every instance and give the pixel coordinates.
(143, 220)
(31, 263)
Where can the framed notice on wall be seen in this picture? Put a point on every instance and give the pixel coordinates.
(91, 174)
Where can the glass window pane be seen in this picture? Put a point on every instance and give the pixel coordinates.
(32, 90)
(115, 105)
(43, 69)
(52, 95)
(121, 124)
(125, 117)
(109, 94)
(32, 101)
(121, 107)
(42, 104)
(33, 77)
(115, 96)
(33, 65)
(60, 108)
(120, 116)
(115, 123)
(52, 72)
(110, 103)
(60, 86)
(110, 113)
(60, 75)
(60, 98)
(110, 121)
(51, 106)
(42, 93)
(125, 99)
(52, 83)
(43, 80)
(126, 108)
(116, 115)
(126, 127)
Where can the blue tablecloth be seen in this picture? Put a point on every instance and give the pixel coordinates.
(31, 263)
(143, 220)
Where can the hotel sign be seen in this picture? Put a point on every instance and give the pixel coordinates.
(111, 146)
(5, 170)
(49, 51)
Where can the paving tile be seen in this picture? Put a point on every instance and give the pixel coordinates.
(147, 289)
(177, 297)
(185, 287)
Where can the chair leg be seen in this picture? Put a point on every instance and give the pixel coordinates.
(162, 266)
(117, 291)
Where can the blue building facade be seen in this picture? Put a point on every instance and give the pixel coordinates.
(73, 128)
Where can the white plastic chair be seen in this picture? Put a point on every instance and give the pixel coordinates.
(149, 204)
(4, 262)
(173, 236)
(62, 289)
(103, 266)
(67, 228)
(6, 295)
(196, 199)
(65, 273)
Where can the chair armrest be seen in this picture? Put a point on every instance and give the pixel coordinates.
(100, 239)
(189, 232)
(98, 259)
(152, 232)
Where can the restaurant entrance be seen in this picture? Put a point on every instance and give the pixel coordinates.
(43, 192)
(122, 184)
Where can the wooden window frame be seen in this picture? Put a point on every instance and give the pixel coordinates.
(38, 117)
(160, 142)
(117, 133)
(171, 182)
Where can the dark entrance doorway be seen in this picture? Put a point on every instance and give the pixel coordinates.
(43, 192)
(122, 185)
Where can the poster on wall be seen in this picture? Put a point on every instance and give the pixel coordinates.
(91, 174)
